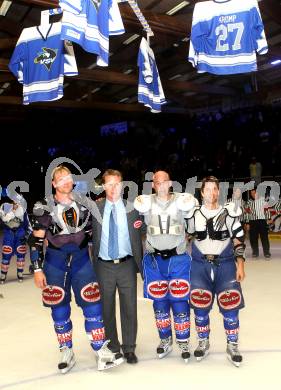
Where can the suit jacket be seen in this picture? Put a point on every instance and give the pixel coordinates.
(136, 228)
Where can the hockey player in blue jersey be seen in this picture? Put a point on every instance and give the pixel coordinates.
(65, 225)
(217, 267)
(16, 224)
(167, 264)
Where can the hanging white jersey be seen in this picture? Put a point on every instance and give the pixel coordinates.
(225, 36)
(150, 91)
(89, 23)
(40, 61)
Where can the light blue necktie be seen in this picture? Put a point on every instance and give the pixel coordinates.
(113, 249)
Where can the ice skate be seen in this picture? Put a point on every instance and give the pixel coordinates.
(233, 354)
(164, 347)
(202, 349)
(107, 359)
(20, 277)
(67, 360)
(185, 351)
(2, 279)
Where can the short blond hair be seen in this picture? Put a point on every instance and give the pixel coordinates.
(59, 169)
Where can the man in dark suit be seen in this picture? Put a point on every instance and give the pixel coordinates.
(117, 256)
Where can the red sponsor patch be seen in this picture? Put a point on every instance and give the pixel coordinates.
(201, 298)
(163, 324)
(229, 299)
(179, 288)
(137, 224)
(98, 334)
(202, 328)
(182, 326)
(21, 249)
(53, 295)
(64, 337)
(158, 289)
(91, 292)
(232, 331)
(7, 249)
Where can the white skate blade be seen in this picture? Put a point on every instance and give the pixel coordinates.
(186, 360)
(199, 358)
(236, 364)
(162, 355)
(107, 365)
(69, 367)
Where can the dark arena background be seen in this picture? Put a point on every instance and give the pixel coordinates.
(224, 125)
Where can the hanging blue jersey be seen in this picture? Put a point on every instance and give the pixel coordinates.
(225, 36)
(150, 91)
(90, 23)
(40, 61)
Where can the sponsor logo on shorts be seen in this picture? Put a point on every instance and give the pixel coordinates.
(7, 250)
(21, 249)
(158, 289)
(137, 224)
(229, 299)
(91, 292)
(179, 288)
(53, 295)
(201, 298)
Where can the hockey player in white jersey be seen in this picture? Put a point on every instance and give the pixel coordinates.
(217, 267)
(166, 264)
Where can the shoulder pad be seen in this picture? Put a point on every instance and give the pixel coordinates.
(233, 209)
(142, 203)
(185, 201)
(191, 213)
(41, 208)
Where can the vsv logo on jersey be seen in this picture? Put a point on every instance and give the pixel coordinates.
(96, 4)
(46, 57)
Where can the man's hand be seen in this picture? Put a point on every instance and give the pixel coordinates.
(240, 272)
(40, 279)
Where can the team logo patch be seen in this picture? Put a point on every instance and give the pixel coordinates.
(229, 299)
(21, 249)
(53, 295)
(137, 224)
(201, 298)
(179, 288)
(46, 57)
(158, 289)
(6, 250)
(91, 292)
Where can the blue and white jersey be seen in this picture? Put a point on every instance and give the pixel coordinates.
(150, 91)
(40, 61)
(225, 36)
(90, 23)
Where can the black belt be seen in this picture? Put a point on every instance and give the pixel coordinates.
(116, 261)
(166, 254)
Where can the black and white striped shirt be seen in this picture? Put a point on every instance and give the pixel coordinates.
(256, 209)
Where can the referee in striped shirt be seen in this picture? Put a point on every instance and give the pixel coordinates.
(258, 217)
